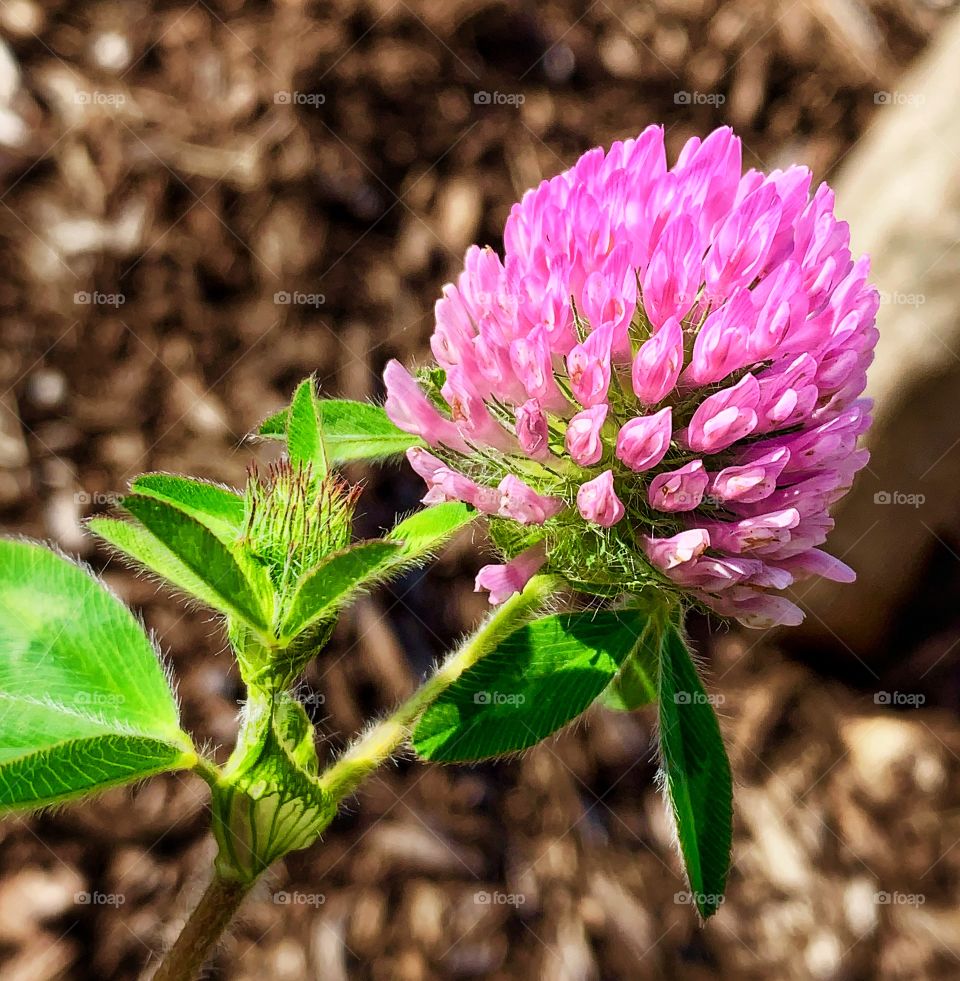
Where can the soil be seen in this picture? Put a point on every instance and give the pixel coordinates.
(204, 202)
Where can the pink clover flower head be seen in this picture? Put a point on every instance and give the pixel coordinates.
(662, 376)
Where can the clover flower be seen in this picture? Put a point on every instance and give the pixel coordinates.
(659, 384)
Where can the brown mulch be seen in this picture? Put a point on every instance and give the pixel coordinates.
(171, 173)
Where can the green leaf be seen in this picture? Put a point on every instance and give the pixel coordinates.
(636, 683)
(218, 508)
(328, 586)
(425, 531)
(274, 426)
(84, 703)
(537, 680)
(361, 431)
(192, 558)
(697, 774)
(351, 431)
(305, 441)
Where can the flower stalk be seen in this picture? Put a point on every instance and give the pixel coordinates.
(380, 743)
(238, 867)
(204, 927)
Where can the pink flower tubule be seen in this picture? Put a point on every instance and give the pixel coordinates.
(662, 376)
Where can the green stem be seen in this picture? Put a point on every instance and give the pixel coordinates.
(378, 744)
(208, 770)
(224, 895)
(203, 930)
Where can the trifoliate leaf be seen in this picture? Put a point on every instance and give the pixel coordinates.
(324, 589)
(351, 431)
(219, 509)
(84, 703)
(425, 531)
(538, 679)
(305, 436)
(637, 680)
(191, 557)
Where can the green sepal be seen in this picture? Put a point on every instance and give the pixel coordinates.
(267, 800)
(294, 521)
(510, 538)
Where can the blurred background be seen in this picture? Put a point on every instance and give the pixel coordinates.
(201, 202)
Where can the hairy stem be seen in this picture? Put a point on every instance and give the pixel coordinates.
(223, 897)
(203, 929)
(386, 737)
